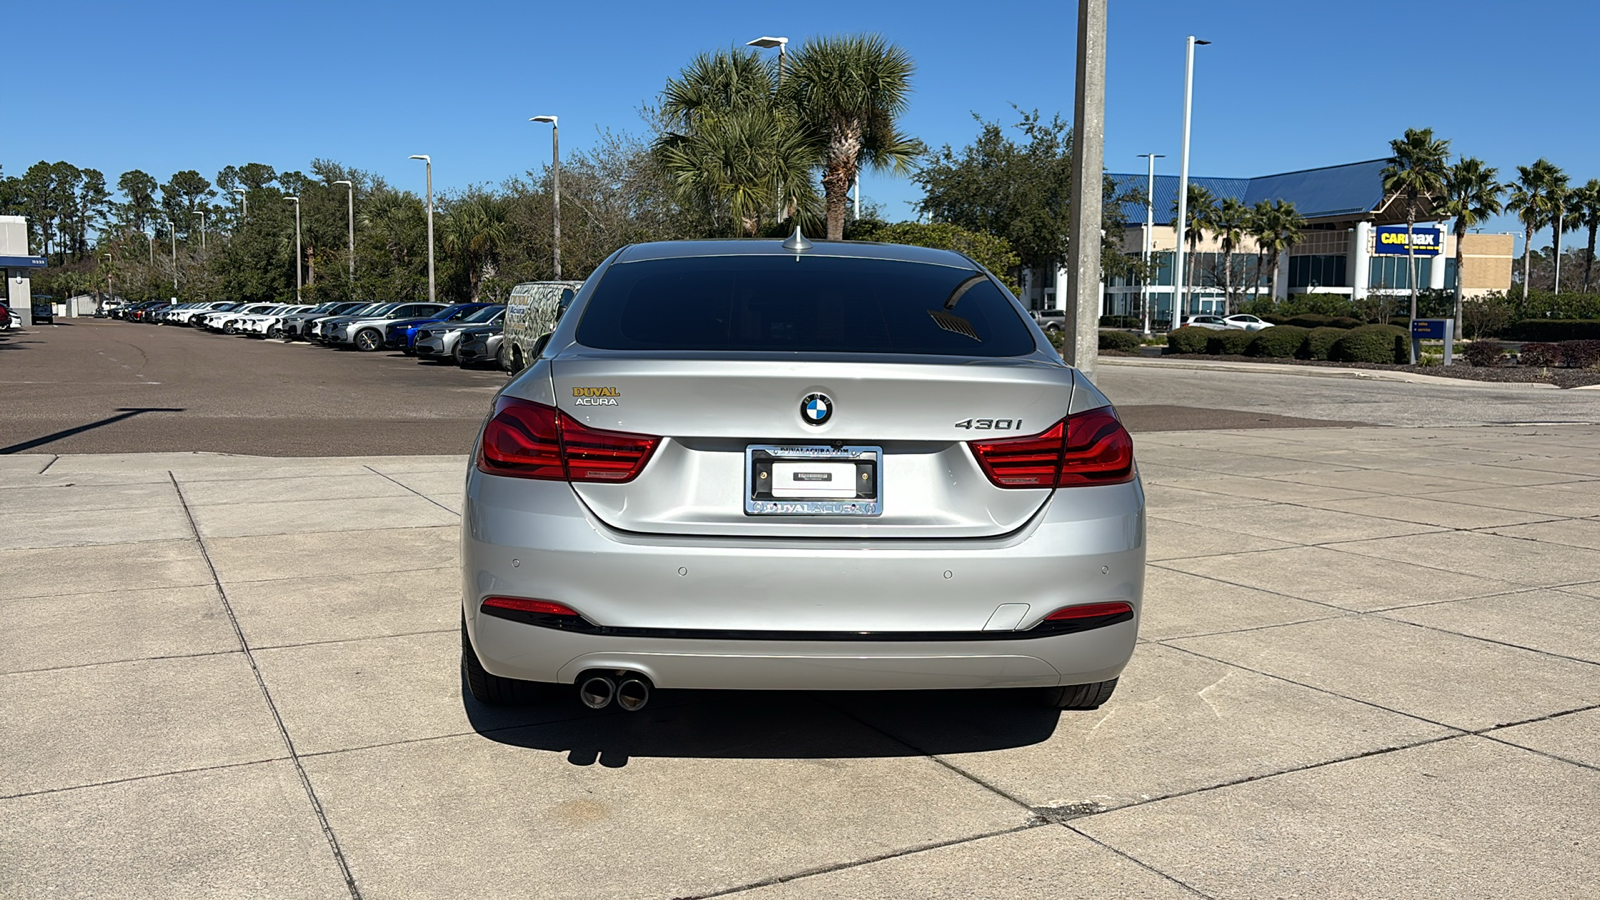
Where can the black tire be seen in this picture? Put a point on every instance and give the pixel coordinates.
(368, 341)
(1079, 696)
(515, 357)
(488, 689)
(275, 333)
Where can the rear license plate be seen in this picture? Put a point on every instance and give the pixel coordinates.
(805, 480)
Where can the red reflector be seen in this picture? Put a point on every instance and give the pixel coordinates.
(533, 606)
(531, 440)
(1089, 611)
(1088, 448)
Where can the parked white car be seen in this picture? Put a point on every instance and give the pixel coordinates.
(1246, 322)
(1215, 323)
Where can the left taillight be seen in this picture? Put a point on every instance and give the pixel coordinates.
(1085, 449)
(531, 440)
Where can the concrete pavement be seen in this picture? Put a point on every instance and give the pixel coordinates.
(1369, 668)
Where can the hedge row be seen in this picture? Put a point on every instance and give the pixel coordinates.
(1314, 320)
(1119, 340)
(1551, 330)
(1366, 343)
(1572, 354)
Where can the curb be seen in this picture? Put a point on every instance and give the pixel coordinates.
(1322, 372)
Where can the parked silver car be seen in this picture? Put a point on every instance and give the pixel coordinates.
(440, 339)
(322, 329)
(777, 465)
(480, 347)
(367, 332)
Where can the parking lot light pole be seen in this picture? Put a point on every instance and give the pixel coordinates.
(244, 204)
(111, 288)
(202, 232)
(1183, 181)
(767, 43)
(1149, 229)
(173, 231)
(555, 184)
(297, 275)
(351, 198)
(429, 161)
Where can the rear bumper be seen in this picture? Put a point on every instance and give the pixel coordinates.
(535, 539)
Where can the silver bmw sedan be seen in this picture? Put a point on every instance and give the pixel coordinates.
(776, 465)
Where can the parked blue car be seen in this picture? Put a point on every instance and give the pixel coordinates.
(401, 334)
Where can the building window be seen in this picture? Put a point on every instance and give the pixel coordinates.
(1317, 271)
(1394, 273)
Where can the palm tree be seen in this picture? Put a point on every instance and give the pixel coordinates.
(1585, 204)
(1471, 194)
(475, 230)
(732, 147)
(1416, 172)
(1201, 205)
(849, 92)
(1229, 222)
(1276, 227)
(1529, 199)
(1555, 203)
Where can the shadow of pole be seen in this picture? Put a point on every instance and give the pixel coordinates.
(124, 412)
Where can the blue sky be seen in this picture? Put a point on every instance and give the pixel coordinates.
(165, 86)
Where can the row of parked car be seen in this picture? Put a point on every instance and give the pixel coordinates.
(468, 334)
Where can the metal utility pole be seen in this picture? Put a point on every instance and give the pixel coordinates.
(429, 161)
(1088, 165)
(352, 203)
(244, 204)
(1178, 291)
(173, 230)
(202, 232)
(555, 183)
(1149, 229)
(111, 288)
(297, 258)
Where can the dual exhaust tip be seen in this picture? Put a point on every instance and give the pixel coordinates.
(629, 690)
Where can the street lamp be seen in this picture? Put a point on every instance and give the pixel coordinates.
(352, 203)
(244, 203)
(1183, 180)
(767, 43)
(111, 288)
(297, 275)
(202, 231)
(173, 230)
(1149, 228)
(429, 161)
(555, 183)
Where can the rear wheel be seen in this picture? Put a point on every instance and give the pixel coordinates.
(492, 690)
(368, 341)
(1079, 696)
(275, 333)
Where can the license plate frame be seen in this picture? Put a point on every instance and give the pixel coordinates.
(759, 499)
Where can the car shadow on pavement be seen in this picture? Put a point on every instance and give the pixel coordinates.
(773, 725)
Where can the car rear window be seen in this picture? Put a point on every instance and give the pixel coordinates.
(813, 304)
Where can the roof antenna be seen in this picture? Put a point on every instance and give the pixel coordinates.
(797, 241)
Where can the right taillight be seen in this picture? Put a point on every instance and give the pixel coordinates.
(530, 440)
(1086, 449)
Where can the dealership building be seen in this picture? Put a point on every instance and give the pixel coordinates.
(1353, 244)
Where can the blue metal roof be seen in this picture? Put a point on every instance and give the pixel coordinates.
(1350, 189)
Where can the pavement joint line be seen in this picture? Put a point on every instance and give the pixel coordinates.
(1136, 860)
(272, 707)
(1321, 690)
(1520, 589)
(118, 662)
(413, 490)
(858, 863)
(1549, 653)
(132, 778)
(354, 640)
(171, 587)
(47, 465)
(1489, 734)
(241, 581)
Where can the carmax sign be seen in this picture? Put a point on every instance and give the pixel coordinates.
(1426, 240)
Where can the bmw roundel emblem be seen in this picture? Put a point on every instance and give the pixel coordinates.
(816, 409)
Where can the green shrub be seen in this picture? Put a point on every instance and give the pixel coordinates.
(1278, 342)
(1319, 303)
(1121, 322)
(1372, 344)
(1555, 330)
(1119, 340)
(1319, 341)
(1313, 320)
(1484, 354)
(1229, 343)
(1188, 339)
(1580, 354)
(1541, 356)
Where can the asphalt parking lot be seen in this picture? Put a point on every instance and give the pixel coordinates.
(1370, 667)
